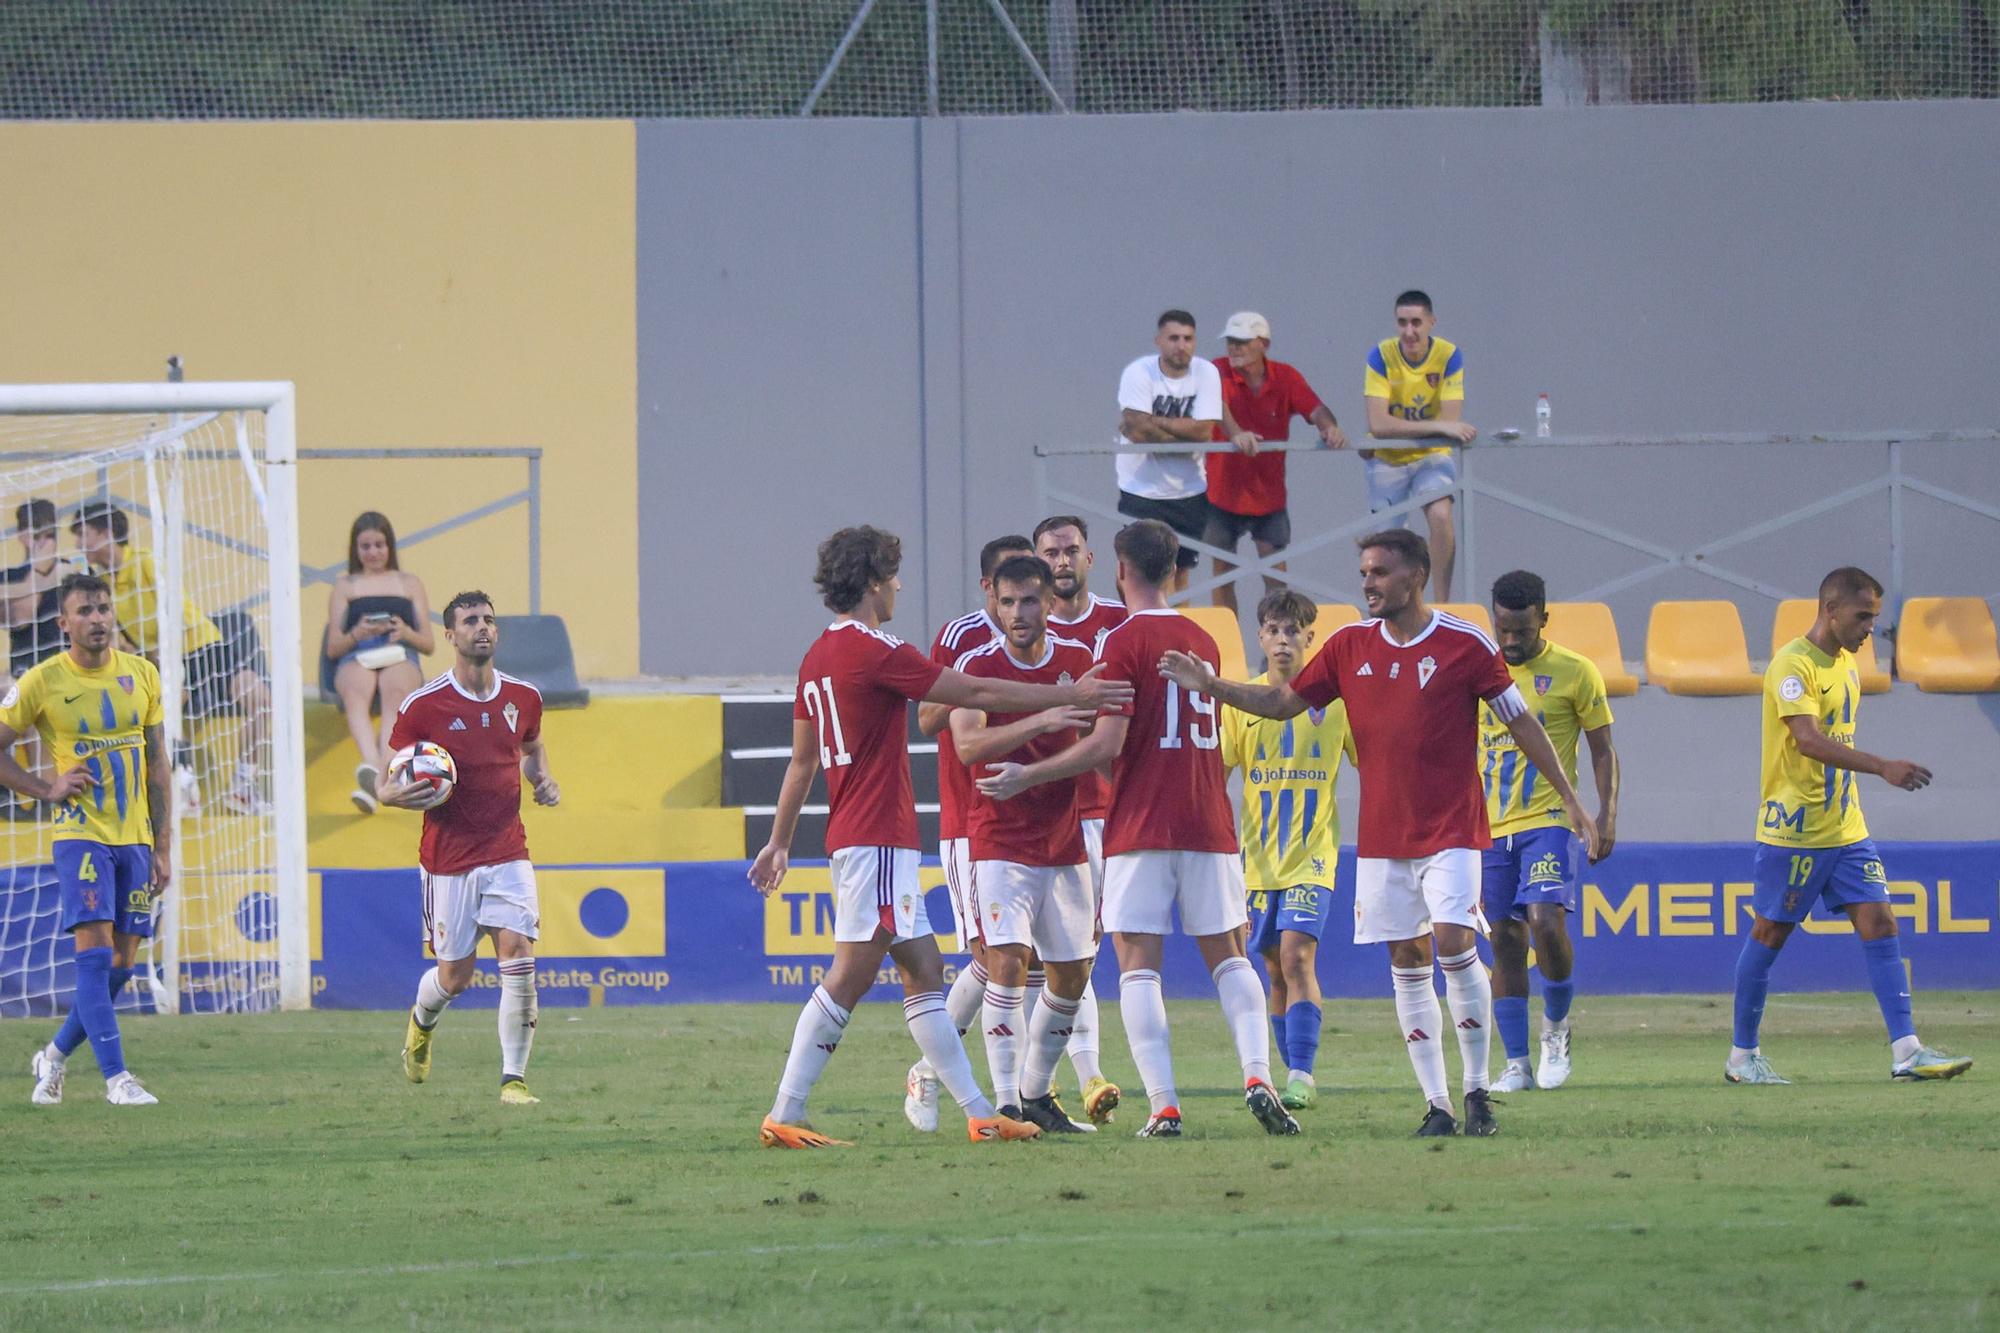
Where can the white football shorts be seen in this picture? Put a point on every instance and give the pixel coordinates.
(1093, 850)
(457, 907)
(956, 853)
(1142, 889)
(1398, 899)
(876, 888)
(1049, 907)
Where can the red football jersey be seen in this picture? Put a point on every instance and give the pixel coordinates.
(1253, 486)
(1414, 712)
(955, 640)
(853, 686)
(1041, 826)
(481, 824)
(1093, 792)
(1168, 788)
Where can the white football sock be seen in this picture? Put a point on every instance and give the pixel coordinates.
(1048, 1031)
(1145, 1015)
(1005, 1023)
(1243, 1005)
(431, 1001)
(519, 1009)
(1903, 1048)
(1083, 1047)
(1470, 991)
(1420, 1018)
(813, 1041)
(968, 992)
(931, 1029)
(53, 1054)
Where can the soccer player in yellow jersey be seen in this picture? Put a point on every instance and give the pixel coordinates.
(1290, 835)
(1530, 877)
(99, 715)
(1811, 840)
(1415, 390)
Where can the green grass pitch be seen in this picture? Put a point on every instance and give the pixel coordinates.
(292, 1178)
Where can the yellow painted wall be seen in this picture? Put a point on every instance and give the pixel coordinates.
(424, 284)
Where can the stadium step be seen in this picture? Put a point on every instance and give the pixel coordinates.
(757, 746)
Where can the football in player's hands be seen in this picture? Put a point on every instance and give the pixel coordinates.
(423, 765)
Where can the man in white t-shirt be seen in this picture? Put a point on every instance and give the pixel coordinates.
(1169, 396)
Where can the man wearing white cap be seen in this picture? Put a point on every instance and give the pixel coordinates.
(1246, 489)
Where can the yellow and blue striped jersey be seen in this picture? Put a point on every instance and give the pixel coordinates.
(95, 720)
(1415, 393)
(1290, 826)
(1806, 803)
(135, 596)
(1566, 692)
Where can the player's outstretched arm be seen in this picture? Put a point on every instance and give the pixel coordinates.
(1006, 781)
(767, 872)
(1091, 691)
(54, 790)
(976, 741)
(1604, 772)
(159, 805)
(1817, 746)
(535, 768)
(1541, 752)
(1193, 674)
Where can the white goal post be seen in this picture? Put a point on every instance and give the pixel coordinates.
(205, 478)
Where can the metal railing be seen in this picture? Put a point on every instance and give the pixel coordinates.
(1475, 493)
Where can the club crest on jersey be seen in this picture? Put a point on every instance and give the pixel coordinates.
(126, 683)
(457, 724)
(1395, 670)
(513, 714)
(1431, 380)
(1065, 679)
(1542, 684)
(1425, 670)
(485, 718)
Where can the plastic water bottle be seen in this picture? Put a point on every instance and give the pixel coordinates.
(1542, 416)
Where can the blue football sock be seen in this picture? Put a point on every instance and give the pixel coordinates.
(1556, 997)
(93, 1002)
(71, 1034)
(1890, 984)
(1302, 1020)
(1281, 1040)
(1753, 980)
(1510, 1015)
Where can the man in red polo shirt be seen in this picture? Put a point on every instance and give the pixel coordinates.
(1246, 489)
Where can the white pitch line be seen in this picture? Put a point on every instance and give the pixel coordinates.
(823, 1247)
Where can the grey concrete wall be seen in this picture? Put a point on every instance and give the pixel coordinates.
(876, 321)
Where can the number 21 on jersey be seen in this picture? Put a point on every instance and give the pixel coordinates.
(826, 717)
(1199, 707)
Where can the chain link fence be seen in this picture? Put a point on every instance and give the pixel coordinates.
(423, 59)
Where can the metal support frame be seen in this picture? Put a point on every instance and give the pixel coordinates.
(932, 99)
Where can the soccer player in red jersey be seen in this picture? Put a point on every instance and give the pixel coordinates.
(1413, 679)
(968, 989)
(1170, 835)
(474, 855)
(849, 718)
(1030, 875)
(1075, 612)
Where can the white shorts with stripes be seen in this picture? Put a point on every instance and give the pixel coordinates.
(456, 907)
(876, 888)
(956, 853)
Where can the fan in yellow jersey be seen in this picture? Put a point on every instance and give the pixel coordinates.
(1531, 875)
(1812, 842)
(1290, 835)
(1415, 390)
(98, 713)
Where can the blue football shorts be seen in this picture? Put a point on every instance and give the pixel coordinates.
(1303, 908)
(103, 883)
(1542, 865)
(1791, 879)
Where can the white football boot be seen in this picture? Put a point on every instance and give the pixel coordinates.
(1516, 1077)
(1554, 1071)
(920, 1097)
(124, 1090)
(48, 1079)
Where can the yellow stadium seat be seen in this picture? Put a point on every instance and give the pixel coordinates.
(1698, 648)
(1221, 624)
(1796, 615)
(1474, 611)
(1332, 615)
(1947, 645)
(1587, 628)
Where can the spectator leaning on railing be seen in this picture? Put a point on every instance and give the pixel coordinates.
(1415, 388)
(377, 622)
(1168, 396)
(1246, 488)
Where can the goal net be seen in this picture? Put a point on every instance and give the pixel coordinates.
(182, 498)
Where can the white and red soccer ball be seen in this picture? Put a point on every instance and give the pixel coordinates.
(425, 763)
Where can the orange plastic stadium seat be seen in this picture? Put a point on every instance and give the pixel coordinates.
(1795, 616)
(1947, 646)
(1587, 628)
(1698, 648)
(1476, 612)
(1221, 624)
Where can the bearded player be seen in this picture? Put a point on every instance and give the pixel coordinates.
(478, 881)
